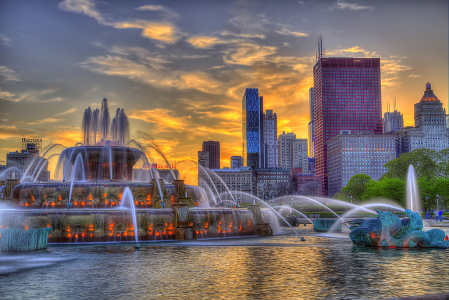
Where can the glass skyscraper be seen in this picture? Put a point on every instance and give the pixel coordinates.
(347, 96)
(252, 129)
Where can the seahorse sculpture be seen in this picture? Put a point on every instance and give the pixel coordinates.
(388, 231)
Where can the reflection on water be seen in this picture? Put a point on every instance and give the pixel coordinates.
(279, 267)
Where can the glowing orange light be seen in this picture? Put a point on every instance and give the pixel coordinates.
(26, 204)
(91, 235)
(113, 203)
(69, 235)
(106, 202)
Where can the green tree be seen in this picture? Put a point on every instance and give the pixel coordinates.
(390, 188)
(424, 161)
(356, 187)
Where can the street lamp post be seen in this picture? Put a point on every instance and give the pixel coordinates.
(438, 207)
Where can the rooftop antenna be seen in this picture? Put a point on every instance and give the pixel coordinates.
(388, 106)
(320, 46)
(394, 103)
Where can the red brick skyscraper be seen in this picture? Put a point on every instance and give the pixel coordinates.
(347, 96)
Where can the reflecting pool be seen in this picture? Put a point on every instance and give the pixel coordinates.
(278, 267)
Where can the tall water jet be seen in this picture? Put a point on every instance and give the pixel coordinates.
(95, 124)
(120, 128)
(128, 197)
(413, 199)
(104, 120)
(87, 125)
(79, 159)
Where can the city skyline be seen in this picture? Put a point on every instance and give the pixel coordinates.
(180, 74)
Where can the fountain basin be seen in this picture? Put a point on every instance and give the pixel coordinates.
(113, 225)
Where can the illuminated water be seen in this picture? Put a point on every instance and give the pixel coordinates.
(279, 267)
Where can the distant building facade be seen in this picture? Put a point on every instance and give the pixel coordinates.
(347, 96)
(392, 121)
(270, 183)
(27, 159)
(203, 159)
(311, 126)
(285, 150)
(252, 128)
(299, 155)
(430, 129)
(213, 147)
(236, 162)
(270, 133)
(351, 154)
(239, 181)
(306, 184)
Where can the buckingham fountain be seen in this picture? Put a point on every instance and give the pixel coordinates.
(109, 191)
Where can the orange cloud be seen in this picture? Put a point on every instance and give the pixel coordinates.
(162, 117)
(205, 42)
(163, 32)
(247, 54)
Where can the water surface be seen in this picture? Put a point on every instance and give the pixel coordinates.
(279, 267)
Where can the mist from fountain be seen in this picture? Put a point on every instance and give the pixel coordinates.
(224, 184)
(295, 210)
(315, 201)
(3, 174)
(128, 197)
(42, 167)
(42, 157)
(413, 199)
(210, 179)
(209, 192)
(272, 209)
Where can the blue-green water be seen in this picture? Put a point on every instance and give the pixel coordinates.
(279, 267)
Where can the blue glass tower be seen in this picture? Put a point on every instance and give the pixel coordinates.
(252, 129)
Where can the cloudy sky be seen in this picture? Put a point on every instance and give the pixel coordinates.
(180, 68)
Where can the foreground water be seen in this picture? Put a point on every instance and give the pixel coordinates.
(279, 267)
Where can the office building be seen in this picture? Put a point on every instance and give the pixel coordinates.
(270, 134)
(430, 129)
(213, 148)
(252, 129)
(392, 121)
(285, 150)
(271, 183)
(352, 154)
(298, 156)
(236, 162)
(347, 96)
(311, 127)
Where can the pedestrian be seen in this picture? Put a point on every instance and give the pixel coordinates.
(441, 215)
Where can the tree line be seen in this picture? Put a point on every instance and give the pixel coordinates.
(432, 172)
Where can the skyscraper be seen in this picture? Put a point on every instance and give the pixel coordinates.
(270, 134)
(311, 125)
(252, 129)
(430, 129)
(299, 157)
(392, 121)
(285, 150)
(214, 153)
(347, 96)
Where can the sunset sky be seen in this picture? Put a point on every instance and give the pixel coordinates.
(179, 68)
